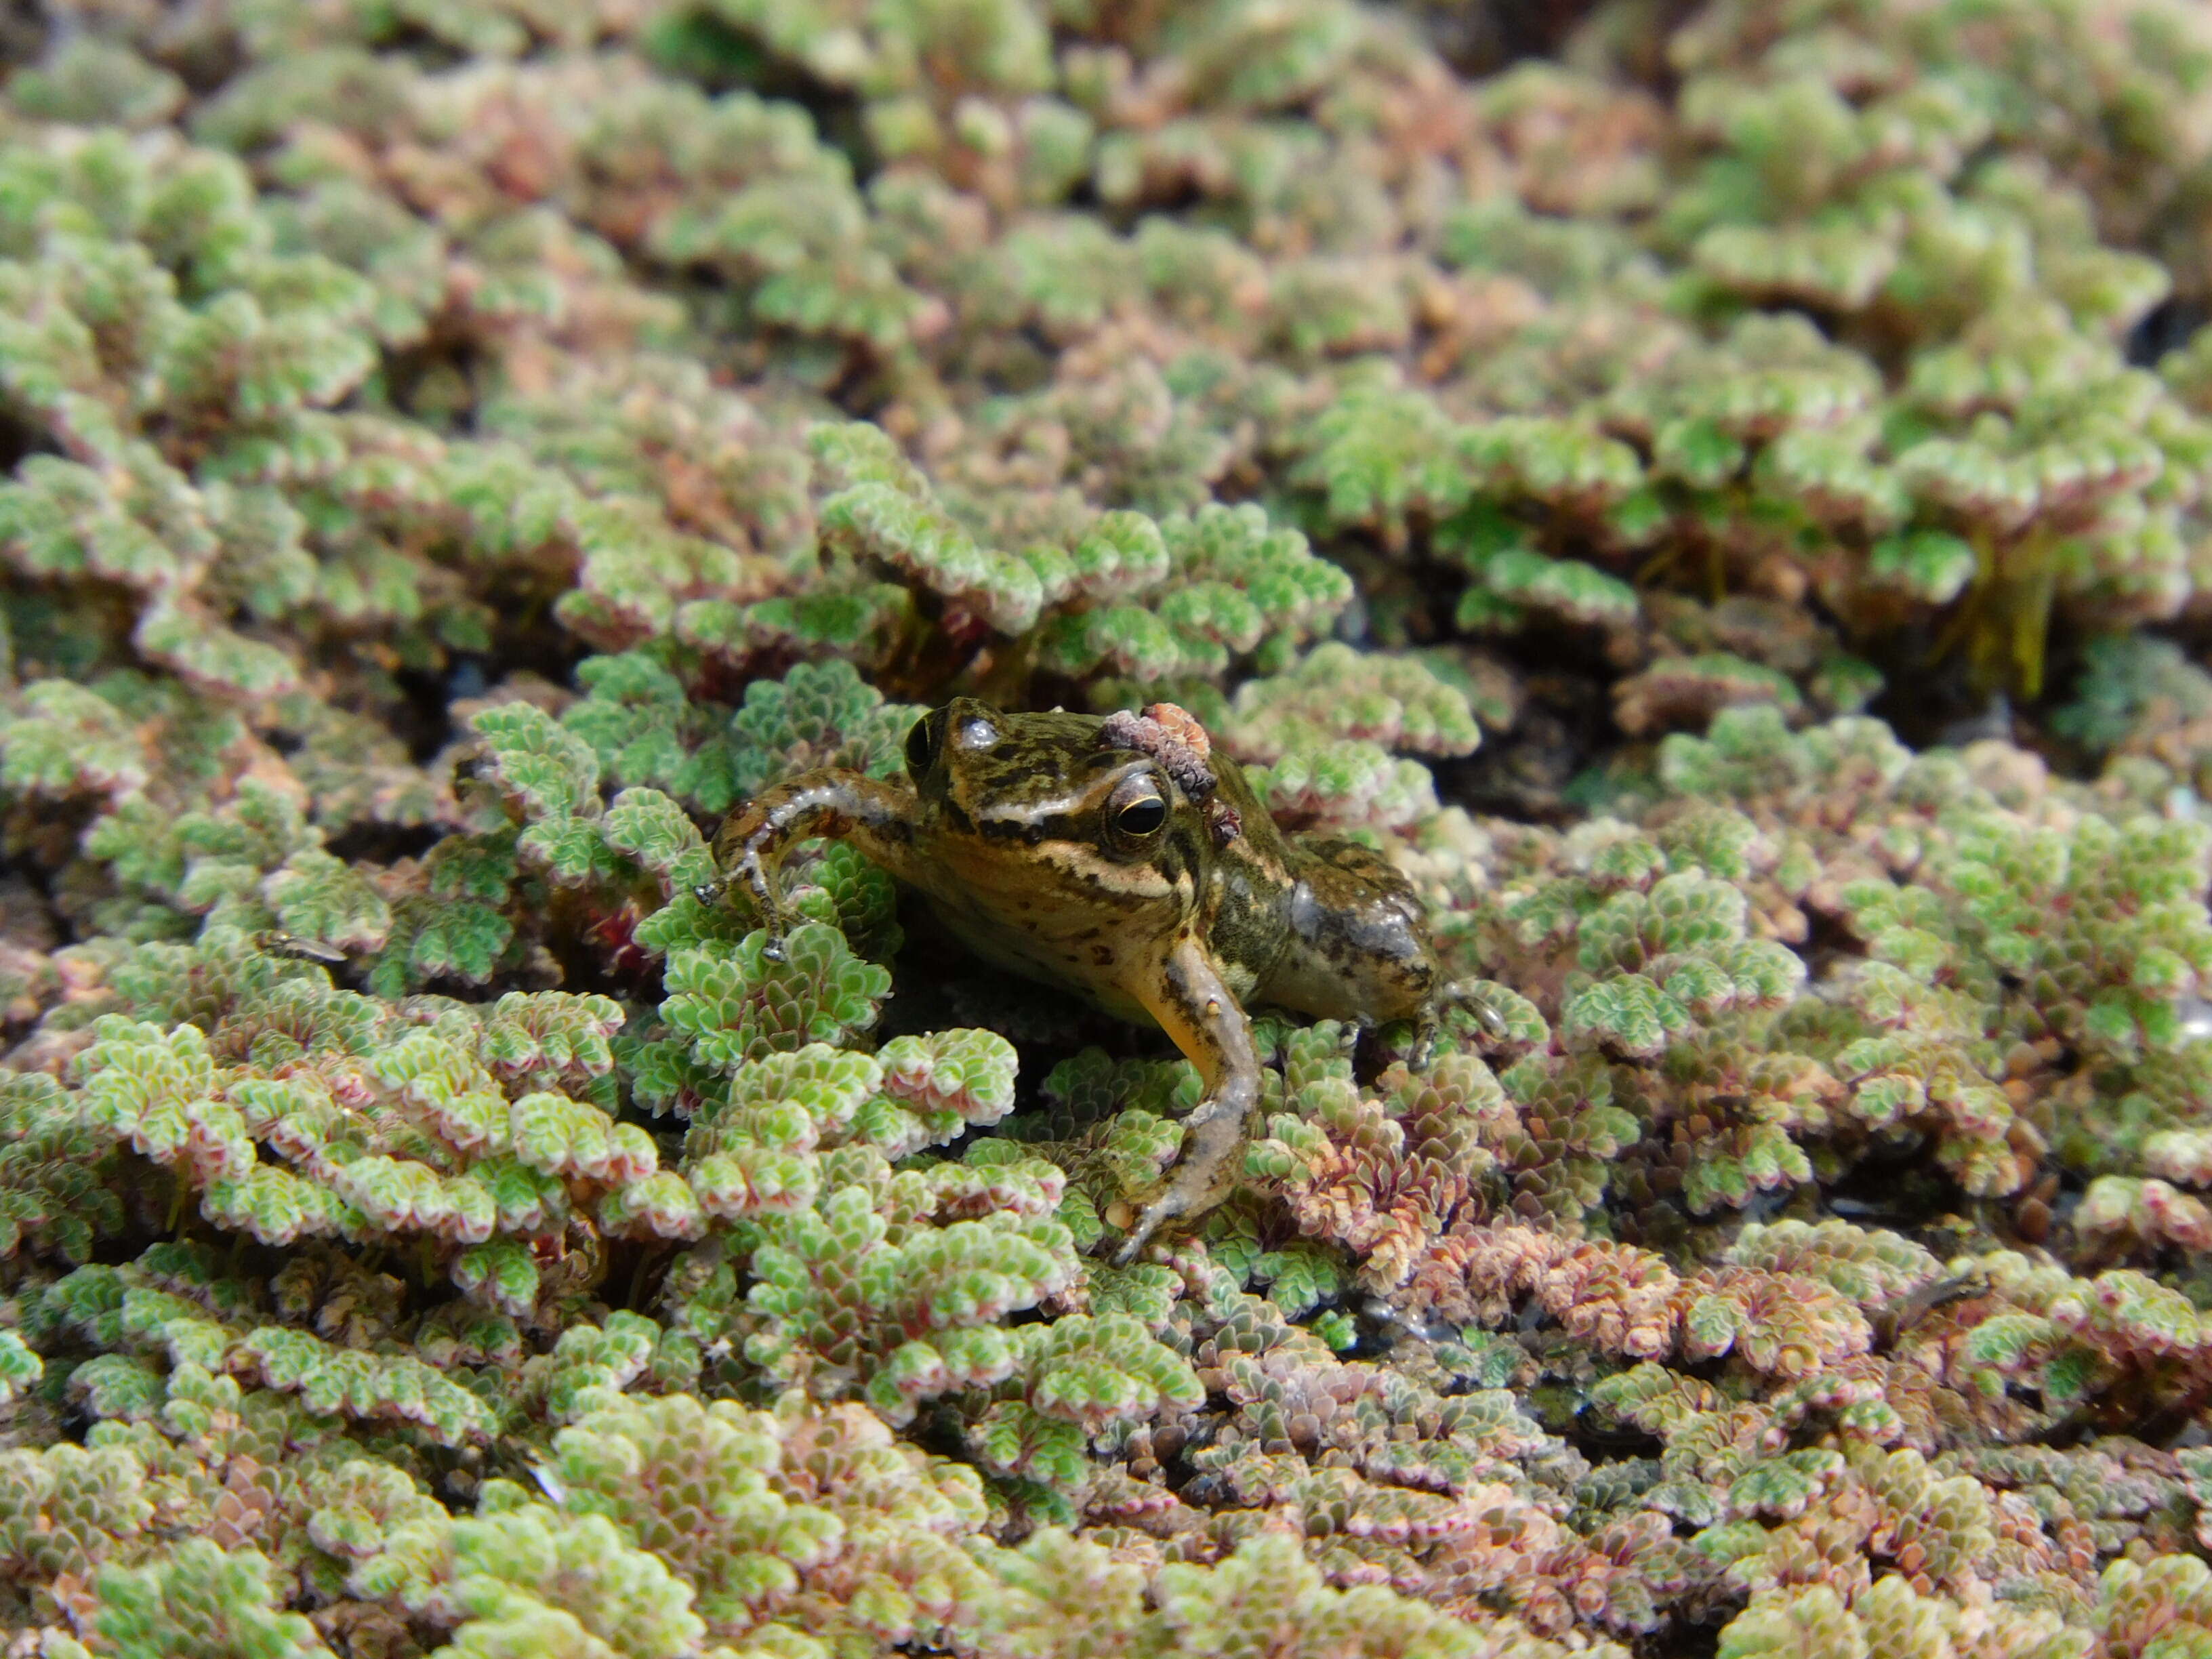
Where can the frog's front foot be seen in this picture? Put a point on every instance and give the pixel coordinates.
(1214, 1134)
(760, 882)
(1163, 1209)
(757, 875)
(1196, 1009)
(750, 847)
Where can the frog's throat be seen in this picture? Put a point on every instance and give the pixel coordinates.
(1096, 961)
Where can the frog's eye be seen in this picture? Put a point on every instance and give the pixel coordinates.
(921, 745)
(1141, 817)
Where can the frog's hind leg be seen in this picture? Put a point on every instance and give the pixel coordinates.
(1208, 1024)
(877, 818)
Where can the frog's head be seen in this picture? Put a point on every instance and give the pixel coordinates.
(1034, 806)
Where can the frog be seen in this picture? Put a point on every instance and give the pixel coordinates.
(1121, 858)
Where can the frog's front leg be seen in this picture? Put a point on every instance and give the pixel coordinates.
(1187, 998)
(877, 818)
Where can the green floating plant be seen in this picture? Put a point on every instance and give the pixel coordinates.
(456, 454)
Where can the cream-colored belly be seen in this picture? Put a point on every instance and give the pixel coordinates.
(1099, 960)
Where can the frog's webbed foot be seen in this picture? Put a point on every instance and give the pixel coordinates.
(1466, 994)
(876, 817)
(1198, 1011)
(1429, 1022)
(1426, 1028)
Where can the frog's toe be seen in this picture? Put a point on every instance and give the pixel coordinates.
(1187, 1195)
(1162, 1210)
(1467, 994)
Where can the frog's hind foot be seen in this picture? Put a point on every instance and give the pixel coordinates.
(1467, 994)
(1426, 1030)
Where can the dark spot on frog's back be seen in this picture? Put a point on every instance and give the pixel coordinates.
(1102, 954)
(1363, 863)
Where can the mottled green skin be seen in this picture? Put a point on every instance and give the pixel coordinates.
(1013, 833)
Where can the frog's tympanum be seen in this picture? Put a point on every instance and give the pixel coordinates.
(1122, 859)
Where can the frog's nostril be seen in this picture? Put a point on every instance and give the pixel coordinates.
(976, 732)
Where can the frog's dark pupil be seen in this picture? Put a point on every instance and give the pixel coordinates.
(920, 746)
(1142, 818)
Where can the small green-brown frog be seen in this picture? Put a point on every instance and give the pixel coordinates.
(1120, 859)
